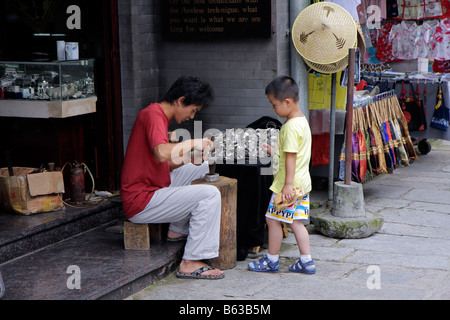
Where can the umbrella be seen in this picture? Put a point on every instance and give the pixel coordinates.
(376, 142)
(387, 134)
(383, 134)
(365, 130)
(355, 157)
(406, 138)
(342, 160)
(402, 156)
(358, 115)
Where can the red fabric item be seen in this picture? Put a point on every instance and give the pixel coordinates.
(441, 66)
(445, 5)
(384, 46)
(142, 174)
(425, 9)
(361, 85)
(320, 149)
(362, 155)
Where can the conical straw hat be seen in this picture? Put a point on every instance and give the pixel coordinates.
(361, 41)
(329, 67)
(323, 32)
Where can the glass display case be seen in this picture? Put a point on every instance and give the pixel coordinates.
(50, 89)
(56, 81)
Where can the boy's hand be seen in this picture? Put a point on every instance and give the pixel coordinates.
(287, 193)
(267, 148)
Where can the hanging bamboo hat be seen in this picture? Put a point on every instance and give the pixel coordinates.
(329, 67)
(322, 34)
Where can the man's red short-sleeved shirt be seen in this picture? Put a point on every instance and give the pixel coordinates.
(142, 174)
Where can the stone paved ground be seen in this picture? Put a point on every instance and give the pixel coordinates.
(409, 258)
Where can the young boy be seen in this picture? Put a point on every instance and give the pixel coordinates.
(291, 169)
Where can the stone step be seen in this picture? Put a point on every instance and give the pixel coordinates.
(20, 234)
(88, 266)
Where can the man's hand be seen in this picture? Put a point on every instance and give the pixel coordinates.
(201, 150)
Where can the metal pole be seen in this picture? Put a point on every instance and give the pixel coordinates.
(332, 139)
(297, 67)
(349, 116)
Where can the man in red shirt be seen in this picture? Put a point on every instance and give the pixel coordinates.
(157, 175)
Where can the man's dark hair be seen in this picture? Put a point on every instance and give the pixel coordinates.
(194, 91)
(283, 87)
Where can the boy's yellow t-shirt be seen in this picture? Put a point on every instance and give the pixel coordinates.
(294, 137)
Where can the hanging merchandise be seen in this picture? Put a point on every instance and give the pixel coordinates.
(376, 145)
(397, 138)
(377, 123)
(426, 42)
(441, 113)
(380, 138)
(319, 114)
(439, 66)
(423, 9)
(409, 40)
(322, 34)
(442, 41)
(403, 39)
(397, 149)
(376, 141)
(384, 45)
(362, 145)
(370, 40)
(341, 173)
(320, 93)
(391, 9)
(413, 109)
(406, 137)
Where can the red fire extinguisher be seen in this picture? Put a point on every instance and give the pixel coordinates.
(77, 183)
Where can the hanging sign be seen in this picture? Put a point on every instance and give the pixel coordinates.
(194, 19)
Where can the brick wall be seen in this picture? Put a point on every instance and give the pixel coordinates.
(138, 58)
(238, 69)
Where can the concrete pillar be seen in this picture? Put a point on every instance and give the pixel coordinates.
(347, 218)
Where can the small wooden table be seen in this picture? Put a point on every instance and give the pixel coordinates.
(228, 241)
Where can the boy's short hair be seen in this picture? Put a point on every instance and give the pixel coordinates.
(195, 91)
(283, 87)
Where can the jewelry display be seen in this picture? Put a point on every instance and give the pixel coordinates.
(47, 81)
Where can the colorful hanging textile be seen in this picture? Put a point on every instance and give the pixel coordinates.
(380, 138)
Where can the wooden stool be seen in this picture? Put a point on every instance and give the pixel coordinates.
(228, 238)
(139, 236)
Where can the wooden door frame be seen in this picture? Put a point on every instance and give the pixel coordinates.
(113, 94)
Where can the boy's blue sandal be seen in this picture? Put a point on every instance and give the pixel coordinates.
(264, 265)
(300, 267)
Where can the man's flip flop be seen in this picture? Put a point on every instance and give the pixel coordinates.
(197, 274)
(182, 238)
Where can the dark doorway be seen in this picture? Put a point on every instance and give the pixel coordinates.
(28, 32)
